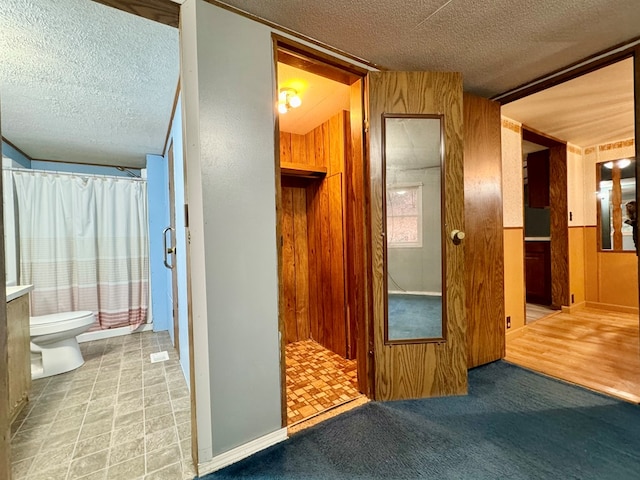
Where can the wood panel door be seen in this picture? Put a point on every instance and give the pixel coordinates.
(484, 247)
(423, 368)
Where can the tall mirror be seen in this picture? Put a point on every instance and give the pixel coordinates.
(617, 205)
(412, 166)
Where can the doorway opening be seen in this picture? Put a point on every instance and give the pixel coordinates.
(544, 159)
(320, 188)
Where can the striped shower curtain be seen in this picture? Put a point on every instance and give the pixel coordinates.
(83, 245)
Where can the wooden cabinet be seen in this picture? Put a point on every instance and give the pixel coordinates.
(538, 179)
(19, 341)
(538, 272)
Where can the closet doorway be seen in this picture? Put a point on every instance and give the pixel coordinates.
(320, 263)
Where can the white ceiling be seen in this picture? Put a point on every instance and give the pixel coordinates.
(81, 82)
(87, 83)
(321, 99)
(589, 110)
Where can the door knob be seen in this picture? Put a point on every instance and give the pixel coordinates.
(457, 236)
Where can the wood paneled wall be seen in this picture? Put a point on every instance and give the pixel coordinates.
(295, 265)
(484, 260)
(324, 295)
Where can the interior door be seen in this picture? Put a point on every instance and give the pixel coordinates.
(427, 107)
(170, 251)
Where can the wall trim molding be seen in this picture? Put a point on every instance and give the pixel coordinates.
(113, 332)
(612, 308)
(574, 308)
(243, 451)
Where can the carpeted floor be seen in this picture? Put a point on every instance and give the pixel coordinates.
(414, 316)
(514, 424)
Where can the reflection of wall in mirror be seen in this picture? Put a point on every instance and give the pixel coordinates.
(418, 269)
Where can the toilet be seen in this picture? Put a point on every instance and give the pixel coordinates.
(54, 347)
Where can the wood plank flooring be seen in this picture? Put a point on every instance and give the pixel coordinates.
(593, 348)
(536, 312)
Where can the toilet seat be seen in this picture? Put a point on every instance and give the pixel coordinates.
(57, 322)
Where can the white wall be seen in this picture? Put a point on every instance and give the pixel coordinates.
(228, 90)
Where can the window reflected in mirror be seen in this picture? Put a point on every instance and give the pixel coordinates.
(413, 228)
(617, 205)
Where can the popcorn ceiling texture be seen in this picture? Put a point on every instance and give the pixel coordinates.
(85, 83)
(497, 44)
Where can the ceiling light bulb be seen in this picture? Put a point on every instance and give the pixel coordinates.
(608, 165)
(625, 162)
(282, 107)
(295, 101)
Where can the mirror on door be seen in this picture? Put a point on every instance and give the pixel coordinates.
(412, 166)
(617, 205)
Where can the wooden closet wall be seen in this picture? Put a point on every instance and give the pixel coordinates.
(313, 237)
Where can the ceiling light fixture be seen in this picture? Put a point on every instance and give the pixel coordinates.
(625, 162)
(288, 98)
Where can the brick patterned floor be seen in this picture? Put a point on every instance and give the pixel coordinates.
(317, 379)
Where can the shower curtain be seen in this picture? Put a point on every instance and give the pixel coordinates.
(83, 245)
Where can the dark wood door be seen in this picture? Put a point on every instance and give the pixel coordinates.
(428, 368)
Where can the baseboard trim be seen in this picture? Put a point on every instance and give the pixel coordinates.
(513, 334)
(574, 308)
(243, 451)
(612, 308)
(113, 332)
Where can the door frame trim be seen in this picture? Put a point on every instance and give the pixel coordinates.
(348, 74)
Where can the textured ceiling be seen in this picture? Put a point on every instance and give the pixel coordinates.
(589, 110)
(497, 45)
(82, 82)
(86, 83)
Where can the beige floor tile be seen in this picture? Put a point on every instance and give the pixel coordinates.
(163, 457)
(92, 445)
(121, 452)
(44, 461)
(157, 440)
(19, 469)
(90, 423)
(155, 424)
(133, 468)
(85, 465)
(172, 472)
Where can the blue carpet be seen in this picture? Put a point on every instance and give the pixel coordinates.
(514, 424)
(415, 316)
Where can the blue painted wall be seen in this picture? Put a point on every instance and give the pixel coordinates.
(158, 210)
(181, 244)
(15, 155)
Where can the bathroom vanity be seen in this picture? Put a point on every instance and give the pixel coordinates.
(18, 339)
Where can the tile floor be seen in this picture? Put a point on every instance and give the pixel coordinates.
(119, 416)
(317, 380)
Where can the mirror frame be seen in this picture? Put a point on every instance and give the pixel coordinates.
(599, 166)
(443, 235)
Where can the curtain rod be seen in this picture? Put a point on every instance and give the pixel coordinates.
(74, 174)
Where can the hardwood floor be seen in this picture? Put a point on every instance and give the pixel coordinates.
(593, 348)
(536, 312)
